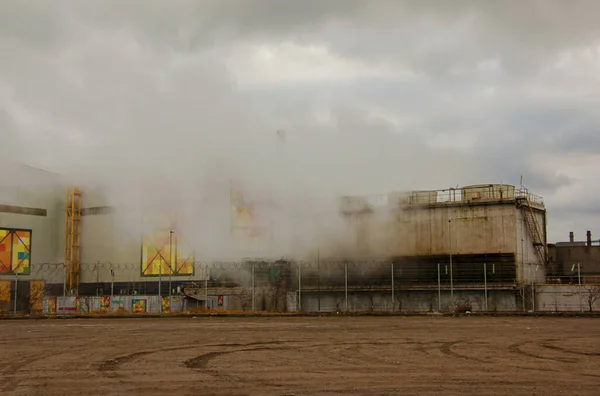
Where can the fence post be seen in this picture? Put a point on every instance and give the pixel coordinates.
(64, 280)
(318, 281)
(393, 297)
(16, 288)
(485, 285)
(299, 287)
(439, 289)
(346, 284)
(206, 276)
(252, 292)
(160, 278)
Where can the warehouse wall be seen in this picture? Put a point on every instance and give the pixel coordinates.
(35, 188)
(420, 231)
(527, 257)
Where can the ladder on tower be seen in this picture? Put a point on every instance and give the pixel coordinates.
(72, 239)
(533, 227)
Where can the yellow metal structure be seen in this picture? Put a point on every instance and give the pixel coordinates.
(533, 226)
(72, 239)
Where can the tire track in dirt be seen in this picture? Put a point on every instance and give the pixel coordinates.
(10, 382)
(374, 353)
(547, 345)
(446, 349)
(109, 366)
(200, 363)
(516, 349)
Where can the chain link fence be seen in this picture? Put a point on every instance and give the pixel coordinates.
(293, 286)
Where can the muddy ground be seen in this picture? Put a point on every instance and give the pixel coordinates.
(301, 356)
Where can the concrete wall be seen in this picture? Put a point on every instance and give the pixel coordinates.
(566, 297)
(35, 188)
(437, 230)
(406, 301)
(527, 257)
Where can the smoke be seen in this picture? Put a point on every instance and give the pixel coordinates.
(147, 127)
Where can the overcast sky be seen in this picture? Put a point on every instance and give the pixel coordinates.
(373, 95)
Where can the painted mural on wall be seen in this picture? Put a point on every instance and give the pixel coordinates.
(52, 305)
(166, 304)
(36, 294)
(138, 305)
(164, 250)
(104, 303)
(15, 251)
(5, 295)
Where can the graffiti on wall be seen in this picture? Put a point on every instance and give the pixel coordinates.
(36, 294)
(104, 303)
(138, 305)
(4, 295)
(166, 304)
(15, 251)
(52, 305)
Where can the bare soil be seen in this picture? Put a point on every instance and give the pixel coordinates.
(301, 356)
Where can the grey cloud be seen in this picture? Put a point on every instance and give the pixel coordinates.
(144, 86)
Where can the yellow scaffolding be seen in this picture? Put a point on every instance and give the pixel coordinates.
(72, 239)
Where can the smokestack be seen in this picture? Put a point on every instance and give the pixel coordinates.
(571, 237)
(589, 238)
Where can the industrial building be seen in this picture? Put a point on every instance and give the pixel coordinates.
(421, 250)
(569, 261)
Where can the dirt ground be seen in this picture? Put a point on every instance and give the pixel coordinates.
(301, 356)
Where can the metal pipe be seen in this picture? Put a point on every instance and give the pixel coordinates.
(485, 285)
